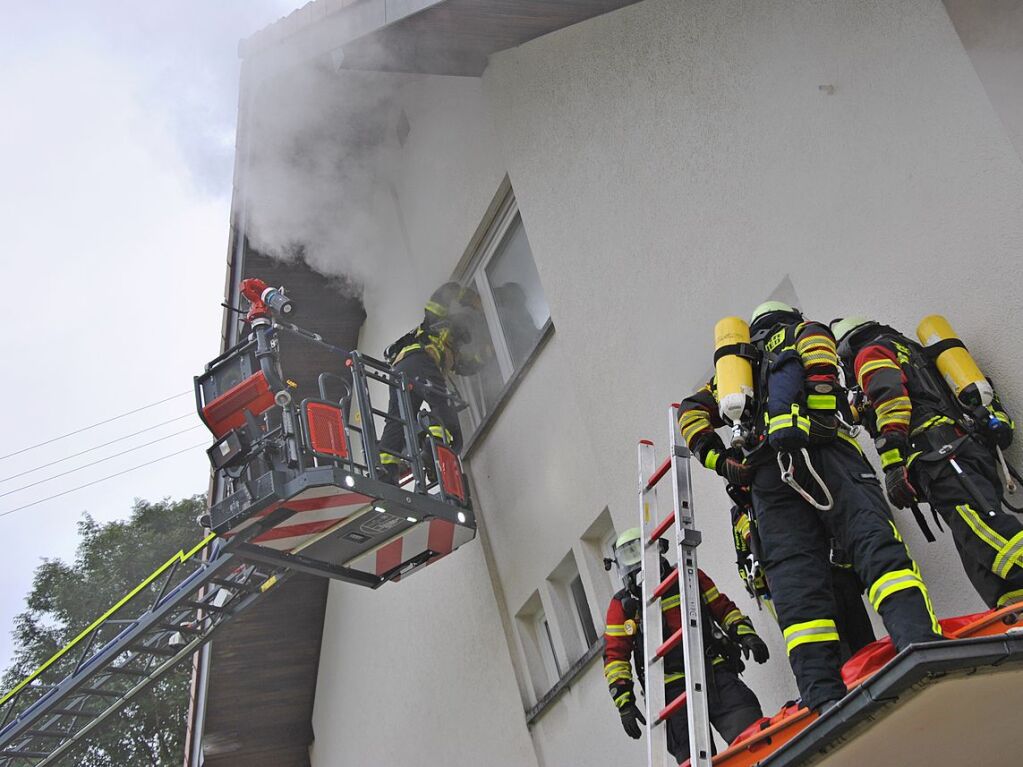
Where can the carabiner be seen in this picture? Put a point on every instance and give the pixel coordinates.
(788, 477)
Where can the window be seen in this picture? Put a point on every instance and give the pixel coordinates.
(582, 610)
(514, 307)
(547, 651)
(538, 646)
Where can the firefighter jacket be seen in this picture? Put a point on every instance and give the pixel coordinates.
(906, 394)
(440, 337)
(796, 387)
(623, 638)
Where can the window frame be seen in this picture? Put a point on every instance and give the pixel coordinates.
(473, 272)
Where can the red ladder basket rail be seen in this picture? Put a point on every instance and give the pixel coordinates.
(690, 635)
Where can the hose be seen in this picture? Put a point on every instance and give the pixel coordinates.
(788, 477)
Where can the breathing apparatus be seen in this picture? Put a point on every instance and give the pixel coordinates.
(733, 368)
(763, 322)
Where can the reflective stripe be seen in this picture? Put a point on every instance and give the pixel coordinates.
(744, 629)
(891, 457)
(991, 537)
(935, 626)
(1009, 556)
(386, 459)
(823, 630)
(873, 365)
(892, 583)
(434, 308)
(851, 440)
(618, 670)
(787, 420)
(692, 422)
(622, 699)
(669, 678)
(711, 460)
(1010, 597)
(615, 630)
(742, 526)
(711, 594)
(897, 410)
(671, 602)
(440, 432)
(934, 420)
(732, 617)
(821, 401)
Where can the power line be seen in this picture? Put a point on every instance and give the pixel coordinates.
(93, 426)
(93, 463)
(97, 447)
(101, 479)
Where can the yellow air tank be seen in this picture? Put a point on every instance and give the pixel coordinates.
(955, 364)
(734, 373)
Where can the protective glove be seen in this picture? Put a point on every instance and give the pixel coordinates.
(631, 718)
(897, 487)
(730, 465)
(753, 645)
(789, 432)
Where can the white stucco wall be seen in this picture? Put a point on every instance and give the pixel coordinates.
(674, 162)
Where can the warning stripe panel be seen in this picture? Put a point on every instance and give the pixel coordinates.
(327, 504)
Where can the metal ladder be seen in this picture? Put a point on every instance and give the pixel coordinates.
(690, 635)
(159, 624)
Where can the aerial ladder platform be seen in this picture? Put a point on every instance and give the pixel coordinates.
(299, 490)
(941, 703)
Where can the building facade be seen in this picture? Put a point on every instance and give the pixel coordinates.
(614, 184)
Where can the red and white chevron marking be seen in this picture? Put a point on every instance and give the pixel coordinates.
(316, 510)
(437, 535)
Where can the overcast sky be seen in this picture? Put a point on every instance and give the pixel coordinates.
(116, 155)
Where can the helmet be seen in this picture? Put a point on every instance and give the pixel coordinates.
(450, 296)
(769, 314)
(846, 326)
(628, 551)
(846, 330)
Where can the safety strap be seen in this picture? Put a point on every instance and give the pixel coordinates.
(933, 351)
(747, 351)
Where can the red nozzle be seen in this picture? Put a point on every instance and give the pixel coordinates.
(252, 290)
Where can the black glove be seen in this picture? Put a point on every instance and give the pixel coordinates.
(897, 487)
(753, 645)
(631, 719)
(730, 465)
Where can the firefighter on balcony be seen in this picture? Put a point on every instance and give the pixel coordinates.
(429, 355)
(809, 484)
(727, 633)
(936, 446)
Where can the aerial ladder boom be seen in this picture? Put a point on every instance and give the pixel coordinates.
(299, 491)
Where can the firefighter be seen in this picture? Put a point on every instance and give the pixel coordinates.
(922, 433)
(854, 628)
(429, 355)
(810, 483)
(727, 633)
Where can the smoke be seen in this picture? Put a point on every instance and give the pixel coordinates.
(319, 179)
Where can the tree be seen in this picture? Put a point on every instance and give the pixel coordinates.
(110, 561)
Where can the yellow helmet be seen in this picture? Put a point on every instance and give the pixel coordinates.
(628, 550)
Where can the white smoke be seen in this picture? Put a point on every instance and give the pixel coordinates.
(318, 180)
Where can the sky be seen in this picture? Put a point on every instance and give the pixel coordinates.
(116, 159)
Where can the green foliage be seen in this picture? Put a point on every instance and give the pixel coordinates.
(111, 560)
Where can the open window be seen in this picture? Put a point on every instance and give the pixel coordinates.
(515, 309)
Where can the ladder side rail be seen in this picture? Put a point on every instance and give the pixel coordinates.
(688, 538)
(187, 651)
(109, 651)
(652, 628)
(368, 431)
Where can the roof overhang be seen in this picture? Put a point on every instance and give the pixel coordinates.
(442, 37)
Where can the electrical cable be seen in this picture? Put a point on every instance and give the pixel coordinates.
(97, 447)
(93, 463)
(101, 479)
(93, 426)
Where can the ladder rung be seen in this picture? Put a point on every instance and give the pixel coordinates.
(161, 651)
(100, 692)
(47, 734)
(669, 644)
(25, 754)
(658, 475)
(672, 708)
(74, 712)
(667, 522)
(664, 585)
(386, 415)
